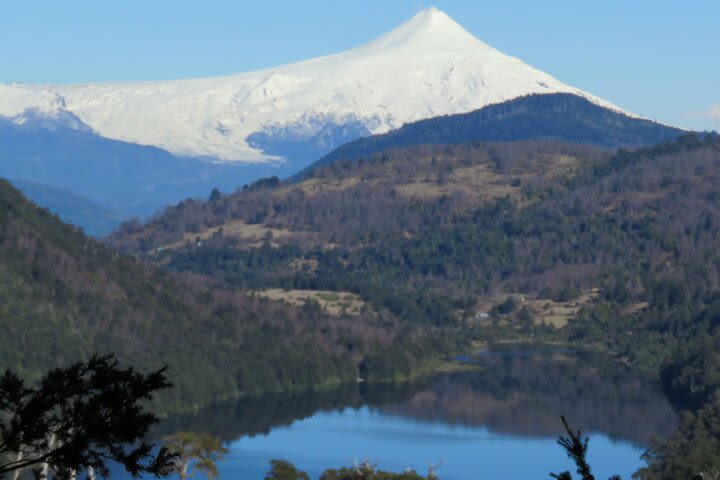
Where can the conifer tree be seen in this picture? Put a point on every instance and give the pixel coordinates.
(81, 417)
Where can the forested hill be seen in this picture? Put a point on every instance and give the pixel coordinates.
(459, 221)
(536, 240)
(559, 116)
(64, 295)
(399, 192)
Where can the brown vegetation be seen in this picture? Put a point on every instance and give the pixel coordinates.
(333, 303)
(403, 190)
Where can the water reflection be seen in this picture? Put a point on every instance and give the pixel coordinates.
(260, 414)
(512, 392)
(526, 394)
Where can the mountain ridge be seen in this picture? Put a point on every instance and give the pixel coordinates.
(95, 220)
(554, 116)
(132, 179)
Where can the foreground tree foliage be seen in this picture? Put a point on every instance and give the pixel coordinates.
(283, 470)
(81, 417)
(576, 447)
(366, 471)
(683, 456)
(693, 451)
(195, 451)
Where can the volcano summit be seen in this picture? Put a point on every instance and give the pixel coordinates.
(426, 67)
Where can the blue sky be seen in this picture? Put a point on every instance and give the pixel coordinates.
(657, 58)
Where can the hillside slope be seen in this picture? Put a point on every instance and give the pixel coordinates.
(401, 191)
(64, 295)
(95, 220)
(437, 233)
(559, 116)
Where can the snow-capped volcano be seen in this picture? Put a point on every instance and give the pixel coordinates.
(427, 67)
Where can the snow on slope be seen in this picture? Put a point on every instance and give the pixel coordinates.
(428, 66)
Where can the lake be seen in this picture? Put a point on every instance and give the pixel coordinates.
(500, 420)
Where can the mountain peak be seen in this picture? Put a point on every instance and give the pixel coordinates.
(426, 67)
(432, 14)
(431, 28)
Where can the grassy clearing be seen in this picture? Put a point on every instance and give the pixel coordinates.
(482, 183)
(248, 235)
(334, 303)
(559, 314)
(316, 186)
(477, 183)
(543, 311)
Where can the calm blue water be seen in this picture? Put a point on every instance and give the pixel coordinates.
(394, 443)
(501, 421)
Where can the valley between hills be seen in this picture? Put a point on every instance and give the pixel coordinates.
(532, 241)
(373, 238)
(382, 267)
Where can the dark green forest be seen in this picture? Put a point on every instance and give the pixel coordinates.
(558, 116)
(64, 296)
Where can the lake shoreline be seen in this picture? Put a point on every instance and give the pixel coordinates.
(515, 396)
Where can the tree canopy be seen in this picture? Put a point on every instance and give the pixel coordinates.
(195, 451)
(79, 417)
